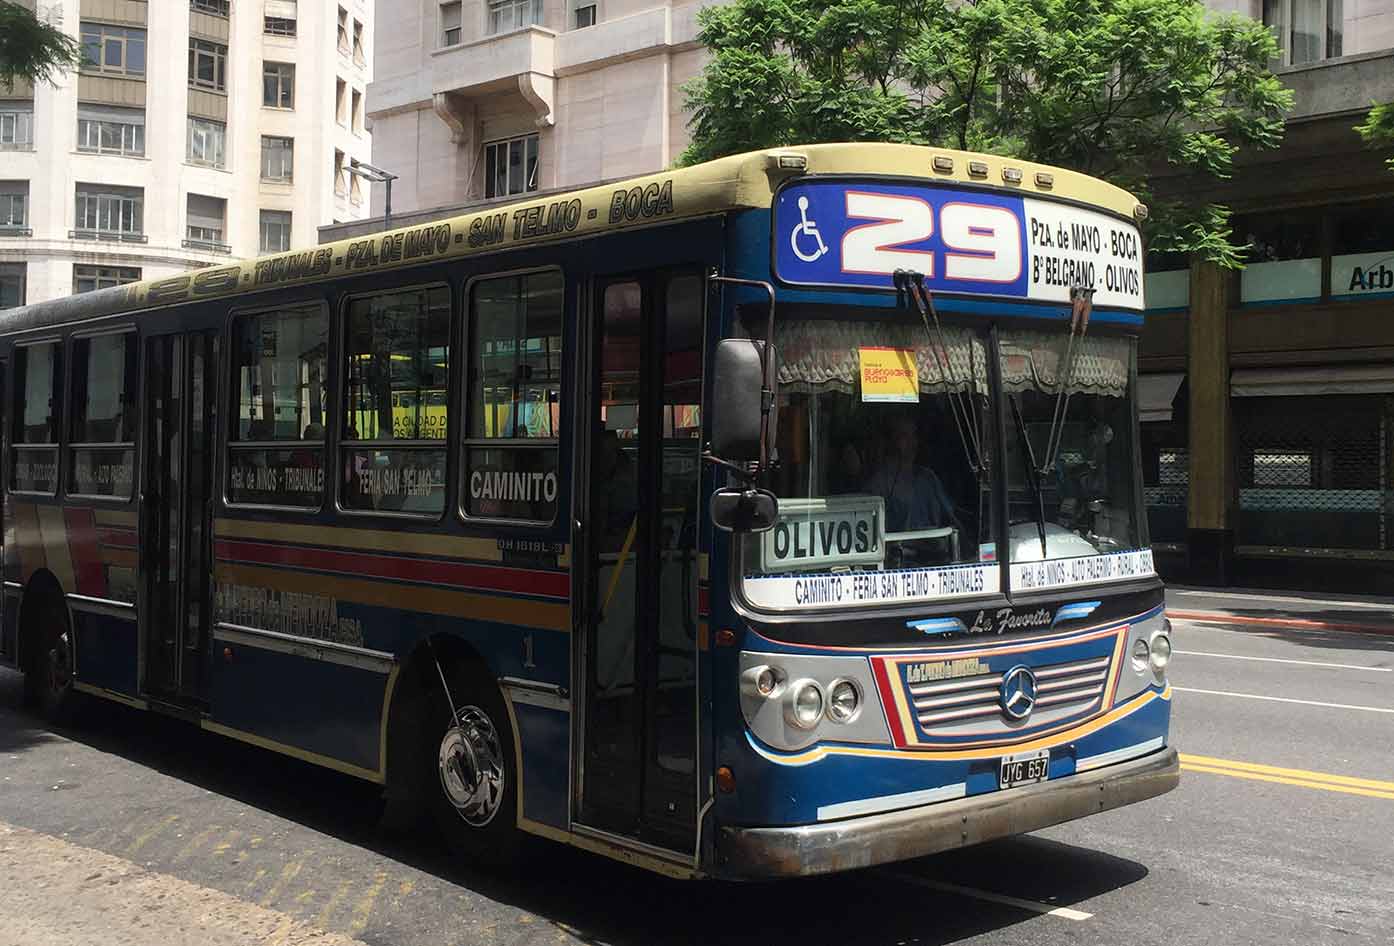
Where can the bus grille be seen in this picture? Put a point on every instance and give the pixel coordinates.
(1062, 689)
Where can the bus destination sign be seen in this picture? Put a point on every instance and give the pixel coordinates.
(841, 234)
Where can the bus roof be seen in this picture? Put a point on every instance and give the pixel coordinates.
(739, 182)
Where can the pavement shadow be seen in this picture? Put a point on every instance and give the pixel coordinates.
(590, 897)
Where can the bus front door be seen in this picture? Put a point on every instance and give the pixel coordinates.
(639, 570)
(176, 515)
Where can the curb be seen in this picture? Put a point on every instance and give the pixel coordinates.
(1224, 617)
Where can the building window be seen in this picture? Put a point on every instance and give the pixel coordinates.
(11, 285)
(358, 43)
(206, 227)
(278, 84)
(341, 101)
(505, 15)
(207, 65)
(105, 212)
(275, 231)
(514, 397)
(106, 129)
(510, 167)
(397, 402)
(343, 30)
(16, 126)
(356, 110)
(450, 24)
(585, 15)
(119, 50)
(207, 142)
(279, 26)
(38, 371)
(277, 159)
(281, 379)
(340, 184)
(355, 183)
(14, 206)
(1307, 30)
(215, 7)
(102, 434)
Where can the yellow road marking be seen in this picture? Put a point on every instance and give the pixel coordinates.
(1368, 787)
(325, 915)
(199, 840)
(228, 840)
(364, 911)
(147, 836)
(261, 872)
(287, 875)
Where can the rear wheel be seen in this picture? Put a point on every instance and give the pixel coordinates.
(473, 779)
(50, 669)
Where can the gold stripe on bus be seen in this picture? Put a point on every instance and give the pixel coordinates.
(384, 594)
(115, 517)
(472, 548)
(55, 541)
(329, 762)
(29, 540)
(112, 695)
(702, 565)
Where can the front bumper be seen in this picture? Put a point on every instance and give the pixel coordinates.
(900, 835)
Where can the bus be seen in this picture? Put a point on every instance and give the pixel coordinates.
(770, 517)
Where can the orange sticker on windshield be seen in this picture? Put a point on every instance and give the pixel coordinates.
(889, 375)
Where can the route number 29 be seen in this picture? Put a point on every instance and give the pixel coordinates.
(982, 242)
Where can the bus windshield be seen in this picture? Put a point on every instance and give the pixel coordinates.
(888, 479)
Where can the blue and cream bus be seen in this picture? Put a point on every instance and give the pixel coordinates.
(776, 516)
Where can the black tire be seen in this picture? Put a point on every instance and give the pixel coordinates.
(470, 773)
(49, 669)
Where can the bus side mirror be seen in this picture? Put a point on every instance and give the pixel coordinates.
(736, 393)
(744, 510)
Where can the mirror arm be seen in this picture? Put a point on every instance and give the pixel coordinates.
(766, 382)
(735, 468)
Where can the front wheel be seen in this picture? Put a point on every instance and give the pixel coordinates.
(473, 785)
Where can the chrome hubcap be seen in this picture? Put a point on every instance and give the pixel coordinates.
(471, 766)
(60, 672)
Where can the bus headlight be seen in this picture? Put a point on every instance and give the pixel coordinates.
(804, 706)
(1161, 651)
(762, 681)
(1142, 655)
(843, 701)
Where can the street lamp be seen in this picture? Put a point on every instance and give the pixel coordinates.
(377, 176)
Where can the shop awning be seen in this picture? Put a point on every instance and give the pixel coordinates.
(1295, 382)
(1155, 392)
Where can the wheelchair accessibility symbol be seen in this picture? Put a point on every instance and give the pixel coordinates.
(808, 230)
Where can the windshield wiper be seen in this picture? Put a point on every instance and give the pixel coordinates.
(910, 285)
(1034, 477)
(1081, 307)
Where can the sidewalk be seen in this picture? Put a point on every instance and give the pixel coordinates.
(60, 894)
(1361, 614)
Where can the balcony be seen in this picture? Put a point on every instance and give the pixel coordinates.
(521, 62)
(114, 236)
(1345, 85)
(207, 246)
(9, 231)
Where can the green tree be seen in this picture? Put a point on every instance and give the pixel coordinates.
(1377, 129)
(1120, 89)
(31, 49)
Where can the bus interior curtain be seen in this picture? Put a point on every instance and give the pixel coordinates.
(1155, 395)
(1032, 360)
(1295, 382)
(819, 355)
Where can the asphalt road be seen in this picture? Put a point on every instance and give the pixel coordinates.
(1281, 832)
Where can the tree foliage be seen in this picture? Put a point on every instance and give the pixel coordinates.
(1377, 130)
(1116, 88)
(31, 49)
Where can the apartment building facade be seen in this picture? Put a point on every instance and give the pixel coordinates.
(194, 132)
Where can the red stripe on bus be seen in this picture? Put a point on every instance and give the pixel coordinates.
(117, 538)
(367, 564)
(89, 575)
(881, 670)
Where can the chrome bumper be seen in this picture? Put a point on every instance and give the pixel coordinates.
(900, 835)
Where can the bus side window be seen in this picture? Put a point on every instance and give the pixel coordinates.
(393, 449)
(280, 383)
(101, 441)
(38, 378)
(515, 329)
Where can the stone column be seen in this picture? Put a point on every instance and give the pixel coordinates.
(1211, 512)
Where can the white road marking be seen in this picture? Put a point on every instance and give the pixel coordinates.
(1219, 596)
(1283, 660)
(1285, 699)
(1034, 906)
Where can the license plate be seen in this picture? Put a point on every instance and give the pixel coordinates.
(1024, 768)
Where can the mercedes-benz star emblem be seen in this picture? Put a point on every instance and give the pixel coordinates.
(1018, 693)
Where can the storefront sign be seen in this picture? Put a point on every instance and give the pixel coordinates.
(1363, 274)
(889, 375)
(833, 233)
